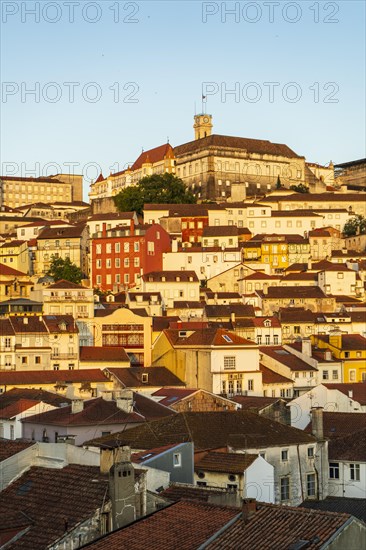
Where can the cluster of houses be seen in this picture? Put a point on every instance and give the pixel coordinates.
(213, 352)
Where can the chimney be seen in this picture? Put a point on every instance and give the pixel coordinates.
(174, 245)
(249, 508)
(328, 355)
(317, 422)
(25, 320)
(306, 347)
(77, 405)
(350, 394)
(310, 265)
(232, 316)
(125, 401)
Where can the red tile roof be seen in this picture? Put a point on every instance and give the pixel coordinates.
(269, 376)
(338, 424)
(10, 272)
(254, 403)
(350, 448)
(358, 390)
(103, 354)
(280, 527)
(35, 395)
(63, 283)
(131, 377)
(184, 525)
(18, 407)
(157, 154)
(207, 337)
(232, 463)
(9, 448)
(52, 501)
(348, 341)
(281, 355)
(22, 378)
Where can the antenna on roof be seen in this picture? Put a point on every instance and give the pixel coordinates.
(204, 100)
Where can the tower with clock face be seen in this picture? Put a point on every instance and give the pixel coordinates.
(202, 126)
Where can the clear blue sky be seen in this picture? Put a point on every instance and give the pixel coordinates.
(167, 51)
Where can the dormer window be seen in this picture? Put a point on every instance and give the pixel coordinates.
(177, 279)
(267, 323)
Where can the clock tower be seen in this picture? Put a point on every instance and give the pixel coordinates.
(202, 126)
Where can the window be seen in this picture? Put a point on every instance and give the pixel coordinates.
(126, 278)
(335, 375)
(352, 375)
(285, 488)
(296, 329)
(284, 455)
(108, 248)
(310, 452)
(334, 470)
(117, 262)
(126, 247)
(346, 354)
(177, 460)
(126, 262)
(136, 262)
(229, 362)
(325, 375)
(24, 360)
(275, 339)
(259, 339)
(354, 472)
(37, 360)
(136, 246)
(250, 385)
(268, 339)
(310, 485)
(339, 275)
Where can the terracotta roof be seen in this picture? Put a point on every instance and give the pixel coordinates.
(9, 271)
(206, 337)
(281, 355)
(281, 527)
(35, 395)
(160, 323)
(112, 216)
(49, 498)
(171, 396)
(225, 310)
(210, 430)
(39, 180)
(186, 491)
(296, 315)
(29, 324)
(6, 328)
(186, 210)
(171, 276)
(154, 155)
(260, 146)
(150, 453)
(260, 321)
(254, 403)
(348, 341)
(103, 354)
(269, 376)
(259, 276)
(305, 292)
(70, 232)
(189, 305)
(351, 448)
(303, 276)
(55, 323)
(21, 378)
(16, 408)
(63, 283)
(12, 244)
(9, 448)
(95, 411)
(354, 506)
(220, 231)
(339, 424)
(358, 390)
(169, 527)
(234, 463)
(131, 377)
(318, 197)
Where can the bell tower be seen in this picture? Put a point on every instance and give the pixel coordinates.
(202, 126)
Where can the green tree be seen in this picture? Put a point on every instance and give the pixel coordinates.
(355, 226)
(158, 188)
(301, 188)
(64, 269)
(278, 184)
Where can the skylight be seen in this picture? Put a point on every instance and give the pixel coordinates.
(227, 338)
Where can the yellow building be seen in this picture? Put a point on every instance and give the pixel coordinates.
(13, 283)
(351, 349)
(14, 253)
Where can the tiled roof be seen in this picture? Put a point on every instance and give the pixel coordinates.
(206, 337)
(260, 321)
(41, 179)
(304, 292)
(10, 272)
(220, 231)
(21, 378)
(154, 155)
(150, 453)
(70, 232)
(171, 276)
(303, 276)
(254, 403)
(37, 395)
(16, 408)
(103, 354)
(56, 323)
(6, 328)
(261, 276)
(171, 396)
(161, 323)
(50, 498)
(233, 463)
(339, 424)
(225, 310)
(131, 377)
(62, 283)
(286, 358)
(112, 216)
(259, 146)
(95, 411)
(296, 315)
(210, 430)
(319, 197)
(348, 341)
(184, 525)
(185, 491)
(354, 506)
(351, 448)
(29, 324)
(280, 527)
(358, 390)
(269, 376)
(9, 448)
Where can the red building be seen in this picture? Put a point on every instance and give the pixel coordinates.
(119, 256)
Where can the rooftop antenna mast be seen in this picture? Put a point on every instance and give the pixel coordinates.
(204, 101)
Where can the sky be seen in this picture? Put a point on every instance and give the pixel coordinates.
(86, 86)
